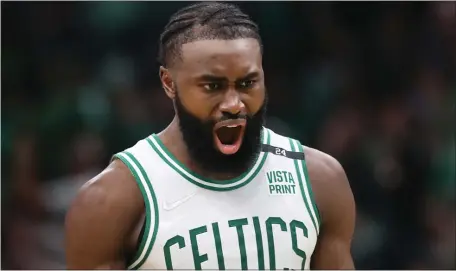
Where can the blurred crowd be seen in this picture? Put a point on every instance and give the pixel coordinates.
(372, 84)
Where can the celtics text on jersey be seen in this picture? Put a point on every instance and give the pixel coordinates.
(264, 219)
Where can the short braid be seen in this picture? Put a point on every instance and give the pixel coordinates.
(214, 20)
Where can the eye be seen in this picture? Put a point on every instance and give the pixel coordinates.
(212, 86)
(246, 84)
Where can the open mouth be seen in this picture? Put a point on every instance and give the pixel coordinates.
(228, 137)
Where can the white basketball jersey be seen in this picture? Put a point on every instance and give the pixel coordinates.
(264, 219)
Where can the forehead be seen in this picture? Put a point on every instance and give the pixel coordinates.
(222, 57)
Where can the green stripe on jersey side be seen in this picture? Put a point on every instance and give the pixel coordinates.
(200, 181)
(301, 175)
(143, 187)
(150, 239)
(309, 188)
(150, 200)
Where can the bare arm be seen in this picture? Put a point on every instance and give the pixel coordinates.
(102, 219)
(337, 210)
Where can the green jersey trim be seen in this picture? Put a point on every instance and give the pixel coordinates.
(206, 183)
(309, 188)
(150, 201)
(304, 188)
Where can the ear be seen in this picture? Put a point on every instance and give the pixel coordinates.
(167, 82)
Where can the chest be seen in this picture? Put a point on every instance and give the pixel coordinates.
(261, 225)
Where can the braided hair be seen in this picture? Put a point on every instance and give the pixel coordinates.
(204, 21)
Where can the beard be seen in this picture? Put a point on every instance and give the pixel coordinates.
(198, 136)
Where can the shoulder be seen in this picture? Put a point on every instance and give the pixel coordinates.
(107, 206)
(334, 198)
(103, 217)
(114, 185)
(323, 167)
(330, 184)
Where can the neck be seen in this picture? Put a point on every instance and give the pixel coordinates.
(172, 138)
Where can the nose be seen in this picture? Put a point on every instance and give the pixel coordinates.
(232, 103)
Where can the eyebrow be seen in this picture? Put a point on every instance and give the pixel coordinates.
(214, 78)
(250, 75)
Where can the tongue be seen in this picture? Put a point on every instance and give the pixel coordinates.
(228, 140)
(227, 135)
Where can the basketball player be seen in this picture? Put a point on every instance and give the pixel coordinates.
(215, 189)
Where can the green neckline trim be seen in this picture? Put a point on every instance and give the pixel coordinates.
(225, 185)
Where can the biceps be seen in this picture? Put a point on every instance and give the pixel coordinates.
(85, 254)
(112, 265)
(93, 240)
(92, 249)
(332, 253)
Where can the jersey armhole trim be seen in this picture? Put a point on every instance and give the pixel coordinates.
(309, 187)
(150, 201)
(305, 188)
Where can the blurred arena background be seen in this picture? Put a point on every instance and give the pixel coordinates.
(373, 84)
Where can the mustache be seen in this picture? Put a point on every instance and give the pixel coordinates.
(230, 116)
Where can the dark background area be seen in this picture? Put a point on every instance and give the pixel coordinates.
(372, 84)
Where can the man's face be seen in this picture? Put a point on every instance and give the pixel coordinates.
(219, 97)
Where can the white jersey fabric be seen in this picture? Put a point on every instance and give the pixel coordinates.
(264, 219)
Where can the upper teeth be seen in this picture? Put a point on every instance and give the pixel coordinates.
(232, 126)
